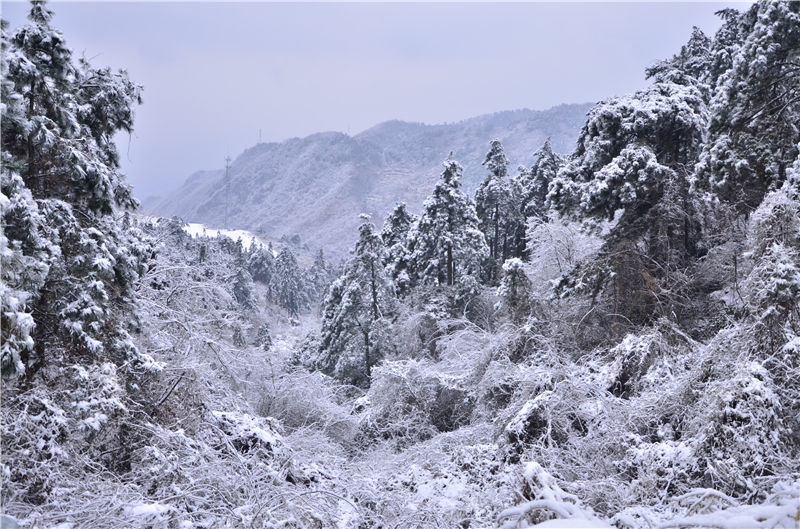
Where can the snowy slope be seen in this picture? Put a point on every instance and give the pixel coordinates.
(317, 186)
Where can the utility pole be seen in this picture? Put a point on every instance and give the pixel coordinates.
(227, 188)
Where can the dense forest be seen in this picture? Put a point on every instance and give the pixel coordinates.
(608, 338)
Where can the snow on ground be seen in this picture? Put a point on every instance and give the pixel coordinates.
(196, 230)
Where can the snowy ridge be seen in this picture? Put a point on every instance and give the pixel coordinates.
(317, 186)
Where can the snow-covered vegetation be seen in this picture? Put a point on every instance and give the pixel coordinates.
(605, 339)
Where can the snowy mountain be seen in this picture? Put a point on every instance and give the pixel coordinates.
(316, 187)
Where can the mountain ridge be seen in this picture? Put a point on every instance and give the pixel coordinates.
(317, 186)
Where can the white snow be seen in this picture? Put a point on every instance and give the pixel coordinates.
(574, 523)
(148, 509)
(197, 230)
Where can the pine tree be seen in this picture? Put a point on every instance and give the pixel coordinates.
(515, 290)
(691, 67)
(261, 264)
(243, 291)
(68, 267)
(754, 110)
(395, 232)
(264, 338)
(534, 182)
(497, 205)
(287, 287)
(446, 246)
(357, 314)
(319, 276)
(633, 162)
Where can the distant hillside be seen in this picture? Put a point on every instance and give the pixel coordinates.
(317, 186)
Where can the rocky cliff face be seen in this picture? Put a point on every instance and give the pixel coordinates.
(316, 187)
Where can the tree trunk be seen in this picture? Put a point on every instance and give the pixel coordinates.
(450, 266)
(366, 351)
(31, 156)
(375, 312)
(496, 231)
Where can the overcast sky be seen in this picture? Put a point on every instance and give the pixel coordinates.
(215, 74)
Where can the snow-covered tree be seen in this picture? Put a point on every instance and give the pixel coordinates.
(243, 290)
(260, 264)
(628, 151)
(264, 338)
(690, 67)
(447, 246)
(632, 166)
(396, 228)
(357, 315)
(754, 109)
(516, 290)
(68, 267)
(319, 277)
(287, 287)
(497, 205)
(535, 181)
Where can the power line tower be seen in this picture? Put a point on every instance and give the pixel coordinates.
(227, 187)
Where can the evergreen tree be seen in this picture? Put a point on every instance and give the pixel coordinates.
(242, 286)
(754, 111)
(534, 182)
(68, 267)
(446, 247)
(287, 287)
(497, 205)
(395, 232)
(261, 264)
(356, 321)
(632, 150)
(633, 162)
(319, 276)
(691, 67)
(264, 338)
(516, 290)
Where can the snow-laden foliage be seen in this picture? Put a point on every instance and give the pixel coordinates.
(534, 182)
(754, 109)
(357, 316)
(628, 150)
(446, 244)
(499, 209)
(68, 269)
(636, 371)
(287, 284)
(395, 232)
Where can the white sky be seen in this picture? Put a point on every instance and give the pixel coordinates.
(215, 74)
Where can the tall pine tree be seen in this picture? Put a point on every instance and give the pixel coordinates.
(497, 205)
(68, 266)
(357, 314)
(395, 232)
(447, 246)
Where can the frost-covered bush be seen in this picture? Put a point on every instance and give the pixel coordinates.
(406, 402)
(544, 500)
(308, 400)
(740, 433)
(555, 248)
(776, 220)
